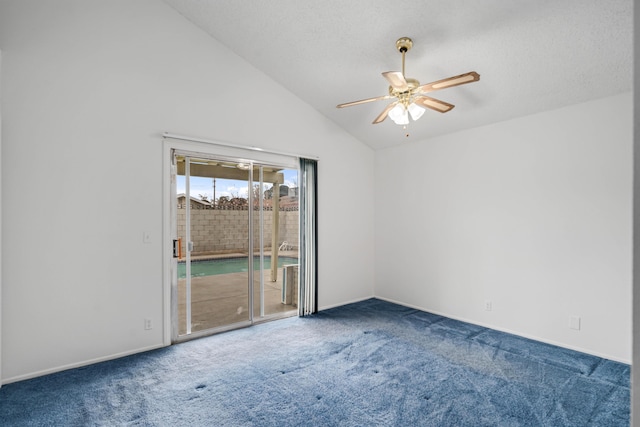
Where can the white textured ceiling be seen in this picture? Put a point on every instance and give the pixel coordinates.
(532, 55)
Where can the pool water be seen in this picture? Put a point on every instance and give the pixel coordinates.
(211, 267)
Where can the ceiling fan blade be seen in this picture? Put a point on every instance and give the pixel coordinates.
(363, 101)
(396, 80)
(434, 104)
(449, 82)
(384, 113)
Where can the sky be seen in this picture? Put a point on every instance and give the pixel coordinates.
(227, 187)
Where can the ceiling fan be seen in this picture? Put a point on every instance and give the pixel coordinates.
(410, 98)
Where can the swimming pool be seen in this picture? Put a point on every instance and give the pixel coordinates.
(211, 267)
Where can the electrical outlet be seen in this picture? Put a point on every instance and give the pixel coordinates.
(146, 237)
(488, 306)
(574, 322)
(147, 324)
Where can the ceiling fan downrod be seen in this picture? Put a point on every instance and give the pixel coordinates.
(404, 44)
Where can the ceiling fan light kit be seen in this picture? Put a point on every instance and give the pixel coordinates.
(410, 98)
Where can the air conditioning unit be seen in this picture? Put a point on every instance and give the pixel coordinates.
(290, 284)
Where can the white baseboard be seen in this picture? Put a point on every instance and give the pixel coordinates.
(509, 331)
(78, 365)
(327, 307)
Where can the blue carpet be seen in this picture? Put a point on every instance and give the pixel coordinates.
(366, 364)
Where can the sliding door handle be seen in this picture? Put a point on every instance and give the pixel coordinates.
(176, 247)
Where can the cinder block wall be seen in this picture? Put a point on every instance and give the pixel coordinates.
(224, 231)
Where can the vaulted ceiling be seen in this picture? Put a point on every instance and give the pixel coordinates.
(532, 55)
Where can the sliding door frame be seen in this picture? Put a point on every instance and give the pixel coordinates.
(195, 148)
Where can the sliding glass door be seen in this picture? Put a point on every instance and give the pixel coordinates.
(213, 239)
(275, 236)
(236, 243)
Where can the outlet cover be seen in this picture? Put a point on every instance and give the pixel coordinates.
(147, 324)
(488, 306)
(574, 323)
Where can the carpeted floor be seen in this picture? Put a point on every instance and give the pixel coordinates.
(366, 364)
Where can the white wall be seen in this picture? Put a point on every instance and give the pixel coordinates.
(88, 88)
(635, 379)
(0, 218)
(533, 214)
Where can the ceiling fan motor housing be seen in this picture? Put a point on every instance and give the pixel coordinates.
(411, 83)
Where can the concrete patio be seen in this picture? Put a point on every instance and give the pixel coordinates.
(222, 299)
